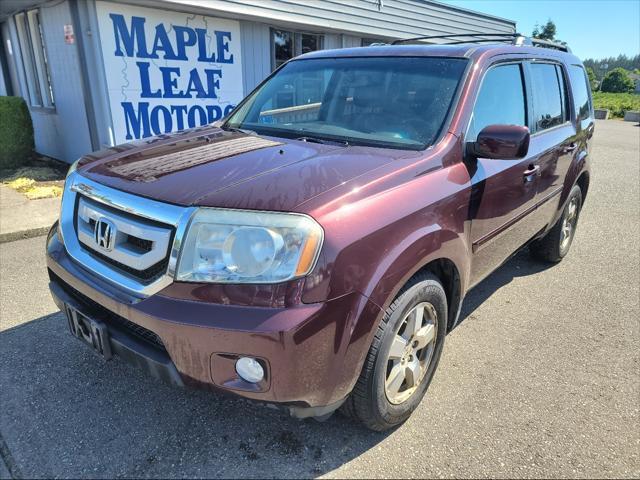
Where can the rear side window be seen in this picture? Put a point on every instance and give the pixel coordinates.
(501, 100)
(566, 116)
(547, 83)
(580, 89)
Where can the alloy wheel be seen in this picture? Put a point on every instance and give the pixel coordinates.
(569, 223)
(411, 352)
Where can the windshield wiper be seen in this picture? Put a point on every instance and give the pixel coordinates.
(238, 130)
(324, 141)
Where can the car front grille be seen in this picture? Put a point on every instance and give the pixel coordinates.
(145, 276)
(139, 247)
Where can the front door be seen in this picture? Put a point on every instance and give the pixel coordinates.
(503, 191)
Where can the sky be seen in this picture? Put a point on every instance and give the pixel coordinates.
(592, 28)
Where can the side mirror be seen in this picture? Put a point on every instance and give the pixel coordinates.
(501, 142)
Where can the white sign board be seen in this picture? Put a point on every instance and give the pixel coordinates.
(69, 38)
(167, 71)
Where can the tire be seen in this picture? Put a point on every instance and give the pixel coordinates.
(374, 401)
(555, 245)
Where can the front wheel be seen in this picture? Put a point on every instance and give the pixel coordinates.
(403, 356)
(556, 243)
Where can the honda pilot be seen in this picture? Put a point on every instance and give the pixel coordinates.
(313, 249)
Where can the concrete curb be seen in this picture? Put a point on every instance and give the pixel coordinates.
(632, 116)
(22, 218)
(23, 234)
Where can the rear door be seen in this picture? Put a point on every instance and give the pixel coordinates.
(553, 135)
(583, 111)
(503, 191)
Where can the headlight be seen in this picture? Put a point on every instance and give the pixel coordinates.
(237, 246)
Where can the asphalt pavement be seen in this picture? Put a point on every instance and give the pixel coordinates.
(541, 378)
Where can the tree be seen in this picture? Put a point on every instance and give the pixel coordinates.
(617, 81)
(545, 32)
(628, 63)
(593, 81)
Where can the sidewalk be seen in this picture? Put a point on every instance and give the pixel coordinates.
(23, 218)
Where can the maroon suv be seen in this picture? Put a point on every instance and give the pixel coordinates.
(313, 250)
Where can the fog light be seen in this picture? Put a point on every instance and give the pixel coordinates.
(249, 369)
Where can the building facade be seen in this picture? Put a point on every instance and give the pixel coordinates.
(97, 73)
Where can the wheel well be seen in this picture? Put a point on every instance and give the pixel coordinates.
(583, 183)
(447, 272)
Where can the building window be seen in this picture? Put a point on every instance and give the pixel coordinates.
(365, 42)
(286, 45)
(34, 59)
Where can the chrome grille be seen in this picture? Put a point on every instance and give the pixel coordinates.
(138, 244)
(141, 260)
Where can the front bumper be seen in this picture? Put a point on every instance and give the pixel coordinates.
(313, 353)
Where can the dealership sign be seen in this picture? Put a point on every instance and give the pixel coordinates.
(167, 71)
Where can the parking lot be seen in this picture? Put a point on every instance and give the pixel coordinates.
(541, 378)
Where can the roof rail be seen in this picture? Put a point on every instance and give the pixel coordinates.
(512, 38)
(538, 42)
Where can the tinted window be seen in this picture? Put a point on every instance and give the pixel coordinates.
(579, 86)
(500, 101)
(282, 46)
(287, 45)
(547, 99)
(398, 102)
(365, 42)
(563, 93)
(34, 58)
(309, 42)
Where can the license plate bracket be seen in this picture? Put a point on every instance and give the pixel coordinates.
(92, 332)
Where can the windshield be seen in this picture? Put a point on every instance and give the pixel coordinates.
(394, 102)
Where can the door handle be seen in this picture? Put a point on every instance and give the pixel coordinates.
(531, 173)
(570, 148)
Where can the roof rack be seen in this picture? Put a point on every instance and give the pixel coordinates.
(512, 38)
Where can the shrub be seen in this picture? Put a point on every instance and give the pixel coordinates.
(16, 132)
(616, 103)
(617, 81)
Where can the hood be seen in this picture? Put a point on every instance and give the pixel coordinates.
(217, 168)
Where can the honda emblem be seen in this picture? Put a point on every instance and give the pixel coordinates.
(104, 234)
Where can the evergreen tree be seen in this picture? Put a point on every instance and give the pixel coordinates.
(621, 61)
(545, 32)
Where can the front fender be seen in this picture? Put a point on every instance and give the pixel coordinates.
(375, 242)
(396, 267)
(413, 254)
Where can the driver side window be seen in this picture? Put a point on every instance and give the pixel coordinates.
(501, 100)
